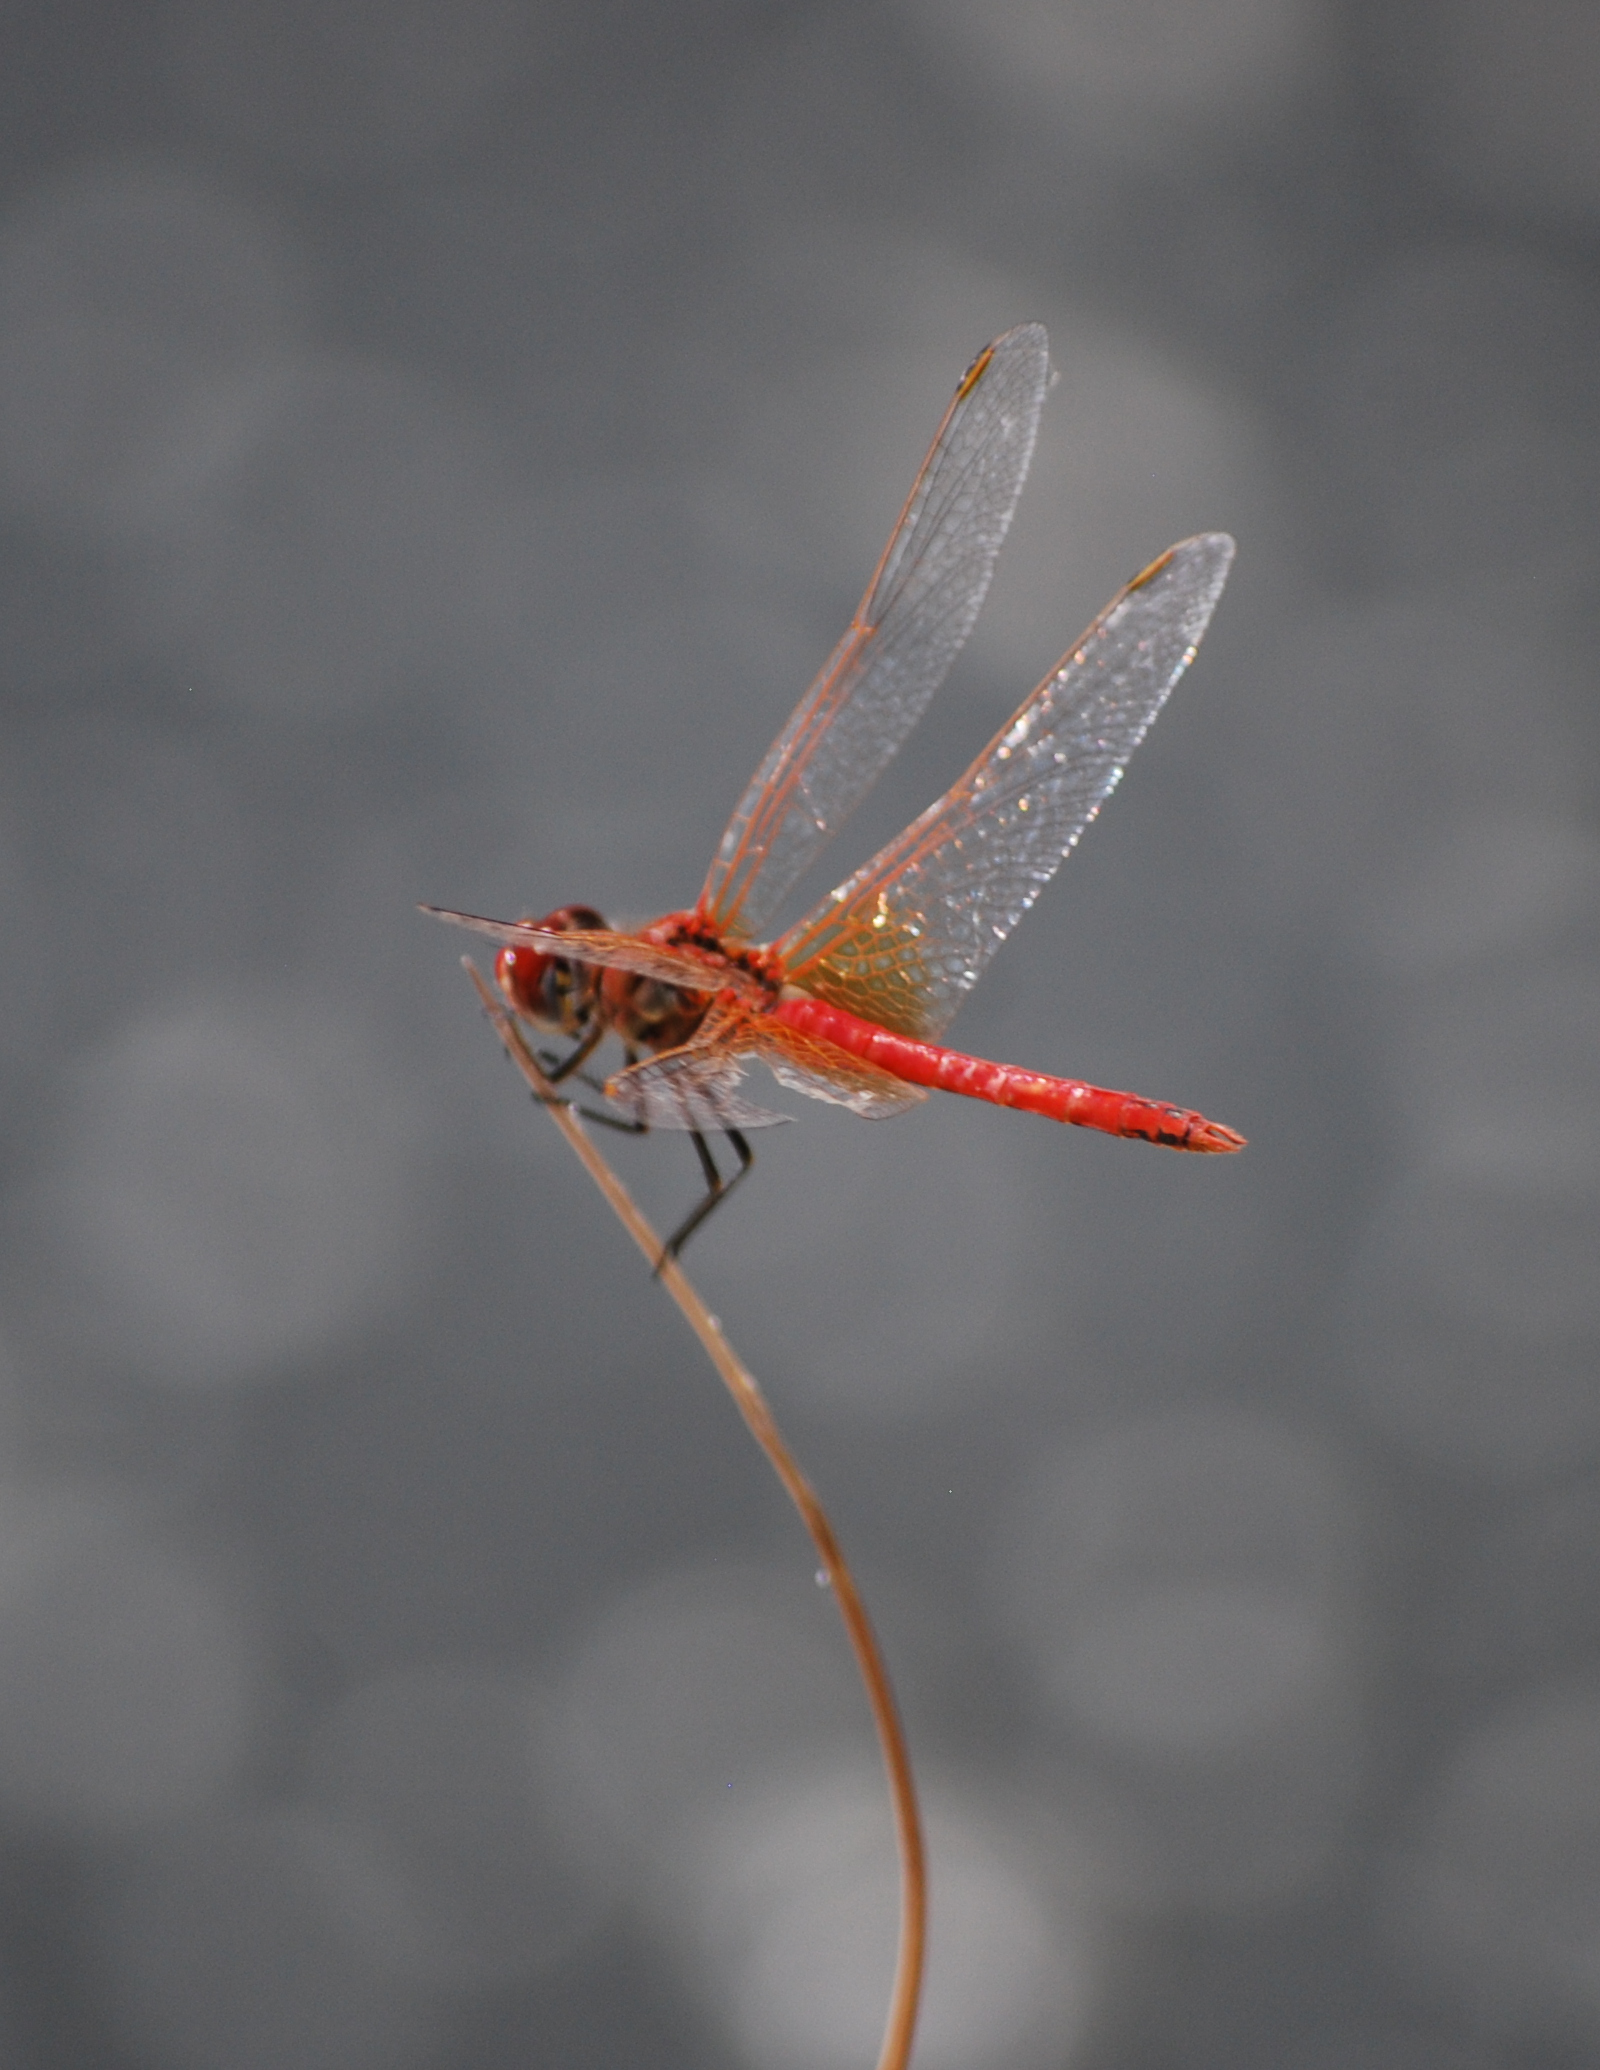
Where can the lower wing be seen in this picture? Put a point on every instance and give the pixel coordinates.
(696, 1086)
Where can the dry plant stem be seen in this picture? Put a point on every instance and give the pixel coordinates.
(896, 2050)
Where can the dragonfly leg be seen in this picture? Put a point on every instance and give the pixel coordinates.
(717, 1187)
(558, 1077)
(558, 1068)
(616, 1121)
(555, 1069)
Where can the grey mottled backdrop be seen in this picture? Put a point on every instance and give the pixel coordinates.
(438, 440)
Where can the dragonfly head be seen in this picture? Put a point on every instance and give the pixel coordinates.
(548, 989)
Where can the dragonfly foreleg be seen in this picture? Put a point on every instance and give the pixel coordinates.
(616, 1121)
(558, 1076)
(555, 1069)
(717, 1187)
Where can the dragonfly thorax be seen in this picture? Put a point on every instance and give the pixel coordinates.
(650, 1014)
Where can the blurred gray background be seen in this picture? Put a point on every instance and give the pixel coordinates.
(438, 441)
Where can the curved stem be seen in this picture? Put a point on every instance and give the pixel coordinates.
(753, 1406)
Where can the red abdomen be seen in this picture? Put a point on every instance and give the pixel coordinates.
(1006, 1085)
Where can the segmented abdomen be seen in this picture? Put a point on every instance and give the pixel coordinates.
(1007, 1085)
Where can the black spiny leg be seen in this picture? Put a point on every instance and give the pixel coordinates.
(717, 1187)
(556, 1069)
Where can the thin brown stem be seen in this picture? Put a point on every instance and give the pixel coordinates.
(753, 1406)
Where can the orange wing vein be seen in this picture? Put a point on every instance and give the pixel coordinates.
(696, 1086)
(918, 609)
(679, 967)
(906, 938)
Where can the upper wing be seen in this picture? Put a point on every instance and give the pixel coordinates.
(908, 936)
(918, 609)
(679, 967)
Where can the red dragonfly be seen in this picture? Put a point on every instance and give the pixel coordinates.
(847, 1004)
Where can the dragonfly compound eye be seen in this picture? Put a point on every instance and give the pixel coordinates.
(549, 989)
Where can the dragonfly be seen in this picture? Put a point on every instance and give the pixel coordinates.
(848, 1004)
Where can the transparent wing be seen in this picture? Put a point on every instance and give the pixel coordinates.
(918, 609)
(617, 951)
(908, 936)
(697, 1086)
(822, 1071)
